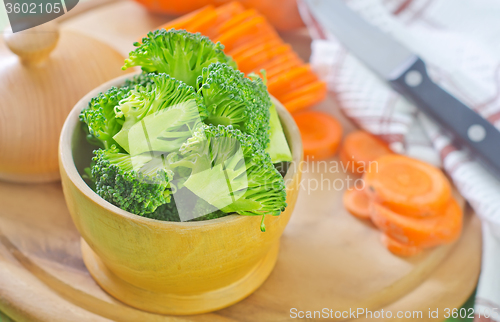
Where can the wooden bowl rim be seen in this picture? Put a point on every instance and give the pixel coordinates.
(68, 165)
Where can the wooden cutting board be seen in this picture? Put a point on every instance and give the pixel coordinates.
(328, 259)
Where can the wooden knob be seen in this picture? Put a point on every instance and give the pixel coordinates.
(34, 45)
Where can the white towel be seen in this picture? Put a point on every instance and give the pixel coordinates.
(460, 42)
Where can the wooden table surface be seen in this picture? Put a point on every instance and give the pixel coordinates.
(328, 259)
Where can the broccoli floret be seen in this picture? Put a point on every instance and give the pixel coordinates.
(233, 99)
(178, 53)
(143, 79)
(166, 212)
(278, 148)
(138, 184)
(100, 119)
(169, 212)
(230, 170)
(212, 215)
(158, 117)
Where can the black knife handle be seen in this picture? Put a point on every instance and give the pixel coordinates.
(467, 127)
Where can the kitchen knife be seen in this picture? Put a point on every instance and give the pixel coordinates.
(407, 74)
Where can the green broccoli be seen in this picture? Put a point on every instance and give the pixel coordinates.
(233, 99)
(187, 138)
(158, 117)
(169, 212)
(100, 117)
(143, 79)
(165, 212)
(278, 148)
(178, 53)
(138, 184)
(229, 170)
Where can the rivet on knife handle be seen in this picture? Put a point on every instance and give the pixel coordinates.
(467, 127)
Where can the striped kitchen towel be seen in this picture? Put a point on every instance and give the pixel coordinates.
(460, 42)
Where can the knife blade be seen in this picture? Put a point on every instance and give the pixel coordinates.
(407, 74)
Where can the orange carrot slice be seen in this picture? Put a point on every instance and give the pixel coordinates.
(398, 248)
(256, 27)
(255, 45)
(305, 97)
(229, 10)
(321, 133)
(291, 80)
(250, 63)
(174, 7)
(274, 72)
(357, 203)
(258, 49)
(251, 44)
(317, 86)
(284, 62)
(420, 232)
(242, 28)
(279, 59)
(182, 21)
(236, 20)
(408, 186)
(360, 149)
(224, 14)
(202, 24)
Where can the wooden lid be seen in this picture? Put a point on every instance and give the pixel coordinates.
(35, 45)
(44, 72)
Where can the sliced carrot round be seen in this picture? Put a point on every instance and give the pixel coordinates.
(173, 7)
(408, 186)
(202, 24)
(291, 79)
(181, 22)
(224, 13)
(244, 32)
(258, 49)
(251, 44)
(279, 59)
(237, 19)
(276, 70)
(321, 133)
(357, 203)
(229, 10)
(420, 232)
(304, 97)
(398, 248)
(360, 149)
(249, 63)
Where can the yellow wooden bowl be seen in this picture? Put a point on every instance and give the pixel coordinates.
(170, 267)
